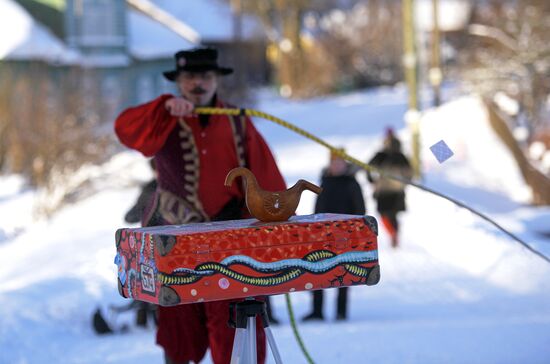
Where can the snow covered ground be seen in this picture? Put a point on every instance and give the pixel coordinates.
(457, 291)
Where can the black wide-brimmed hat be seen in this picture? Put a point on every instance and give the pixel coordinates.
(197, 60)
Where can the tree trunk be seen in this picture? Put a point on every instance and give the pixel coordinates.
(538, 182)
(291, 60)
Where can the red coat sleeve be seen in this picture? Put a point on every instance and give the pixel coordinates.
(261, 161)
(145, 127)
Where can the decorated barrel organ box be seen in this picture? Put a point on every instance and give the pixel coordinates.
(179, 264)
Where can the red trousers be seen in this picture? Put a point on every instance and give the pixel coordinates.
(390, 223)
(186, 331)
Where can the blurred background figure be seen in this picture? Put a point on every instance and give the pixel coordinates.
(135, 214)
(144, 310)
(390, 194)
(341, 195)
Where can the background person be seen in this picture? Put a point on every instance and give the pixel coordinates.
(135, 213)
(390, 194)
(341, 195)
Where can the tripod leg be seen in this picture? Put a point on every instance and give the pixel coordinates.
(251, 328)
(273, 345)
(238, 346)
(243, 317)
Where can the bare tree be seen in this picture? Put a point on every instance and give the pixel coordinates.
(508, 53)
(282, 20)
(50, 126)
(358, 38)
(319, 47)
(5, 83)
(539, 183)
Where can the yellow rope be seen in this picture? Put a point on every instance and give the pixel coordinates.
(295, 329)
(344, 155)
(250, 112)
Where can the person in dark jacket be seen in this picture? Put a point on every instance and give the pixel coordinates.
(390, 194)
(341, 195)
(135, 213)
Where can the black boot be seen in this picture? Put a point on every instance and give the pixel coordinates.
(317, 313)
(153, 313)
(141, 315)
(342, 303)
(99, 324)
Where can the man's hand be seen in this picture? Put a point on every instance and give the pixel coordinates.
(178, 106)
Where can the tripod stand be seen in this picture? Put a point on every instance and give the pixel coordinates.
(242, 316)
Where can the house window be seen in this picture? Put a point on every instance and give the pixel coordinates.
(101, 22)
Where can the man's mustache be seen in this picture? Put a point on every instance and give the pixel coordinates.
(198, 90)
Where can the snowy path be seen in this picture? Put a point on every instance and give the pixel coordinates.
(458, 291)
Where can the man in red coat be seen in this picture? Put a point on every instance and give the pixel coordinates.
(193, 154)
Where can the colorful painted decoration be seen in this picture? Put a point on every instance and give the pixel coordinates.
(178, 264)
